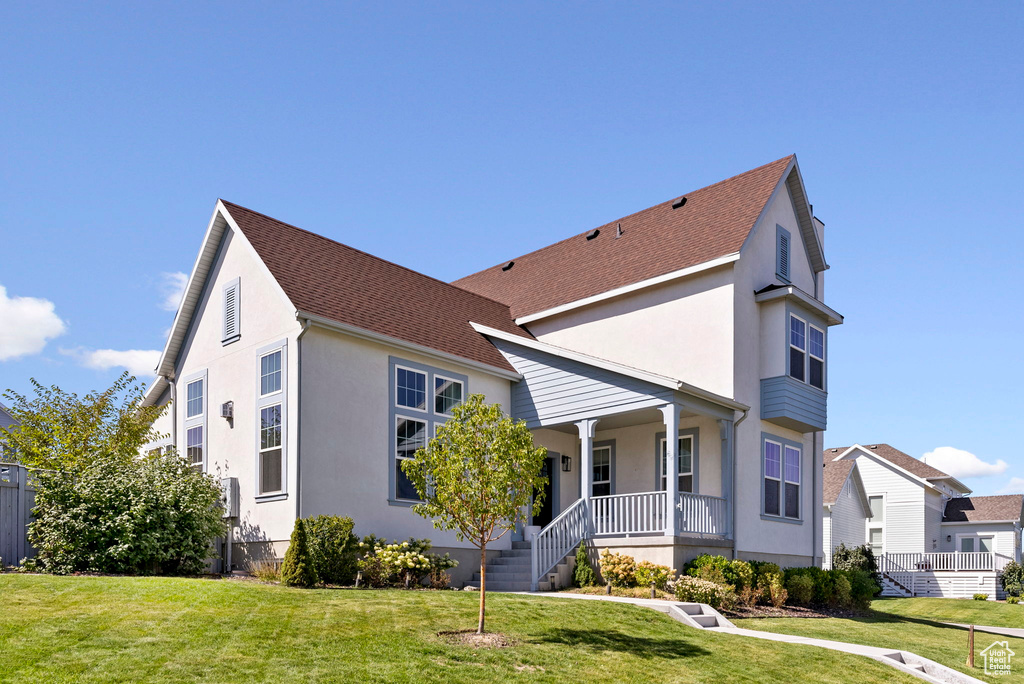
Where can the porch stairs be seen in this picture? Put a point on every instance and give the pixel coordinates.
(896, 586)
(511, 571)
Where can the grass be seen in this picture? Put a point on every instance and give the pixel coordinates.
(915, 625)
(101, 629)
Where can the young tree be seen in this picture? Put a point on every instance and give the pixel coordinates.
(477, 477)
(59, 430)
(297, 569)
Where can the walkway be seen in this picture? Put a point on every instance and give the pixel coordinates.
(1003, 631)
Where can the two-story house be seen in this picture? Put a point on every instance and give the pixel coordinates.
(932, 538)
(309, 370)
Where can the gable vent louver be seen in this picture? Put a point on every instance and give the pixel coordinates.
(782, 263)
(231, 309)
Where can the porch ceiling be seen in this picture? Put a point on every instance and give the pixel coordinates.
(645, 416)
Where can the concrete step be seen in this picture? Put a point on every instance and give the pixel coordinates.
(501, 586)
(510, 560)
(692, 608)
(515, 553)
(521, 545)
(706, 620)
(503, 576)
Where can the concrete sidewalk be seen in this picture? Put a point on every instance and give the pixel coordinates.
(1003, 631)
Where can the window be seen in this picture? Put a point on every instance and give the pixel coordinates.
(194, 447)
(602, 484)
(875, 540)
(967, 544)
(685, 460)
(877, 504)
(271, 478)
(270, 373)
(792, 482)
(772, 476)
(447, 395)
(816, 362)
(194, 399)
(411, 390)
(797, 347)
(782, 240)
(422, 399)
(231, 327)
(410, 435)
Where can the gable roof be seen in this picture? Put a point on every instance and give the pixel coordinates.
(912, 465)
(984, 508)
(339, 283)
(834, 478)
(713, 224)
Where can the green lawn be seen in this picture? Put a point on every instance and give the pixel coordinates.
(92, 629)
(916, 625)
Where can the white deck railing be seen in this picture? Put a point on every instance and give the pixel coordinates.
(702, 514)
(641, 513)
(558, 538)
(942, 562)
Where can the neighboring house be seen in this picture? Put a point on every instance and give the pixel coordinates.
(6, 421)
(701, 317)
(922, 520)
(845, 507)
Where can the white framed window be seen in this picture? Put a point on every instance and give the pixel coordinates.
(792, 481)
(684, 457)
(974, 543)
(816, 357)
(602, 483)
(876, 540)
(410, 388)
(877, 504)
(194, 398)
(270, 373)
(410, 436)
(447, 394)
(194, 447)
(797, 347)
(271, 466)
(772, 477)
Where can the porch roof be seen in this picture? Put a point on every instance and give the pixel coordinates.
(562, 386)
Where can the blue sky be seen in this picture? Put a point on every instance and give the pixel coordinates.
(450, 136)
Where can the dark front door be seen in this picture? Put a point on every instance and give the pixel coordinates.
(544, 516)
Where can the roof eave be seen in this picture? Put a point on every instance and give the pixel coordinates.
(794, 293)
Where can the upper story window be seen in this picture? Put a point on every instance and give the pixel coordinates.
(411, 389)
(194, 399)
(782, 479)
(270, 373)
(806, 352)
(447, 394)
(877, 509)
(194, 446)
(271, 467)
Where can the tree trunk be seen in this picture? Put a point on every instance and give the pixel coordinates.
(483, 587)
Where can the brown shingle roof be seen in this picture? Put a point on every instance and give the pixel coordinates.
(835, 476)
(896, 457)
(714, 222)
(984, 508)
(329, 279)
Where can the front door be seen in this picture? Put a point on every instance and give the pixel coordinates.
(544, 516)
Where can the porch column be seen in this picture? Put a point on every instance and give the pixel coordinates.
(727, 431)
(671, 414)
(586, 428)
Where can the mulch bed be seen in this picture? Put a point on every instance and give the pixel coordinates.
(788, 612)
(469, 637)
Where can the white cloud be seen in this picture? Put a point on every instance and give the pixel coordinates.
(172, 287)
(26, 323)
(960, 463)
(1014, 486)
(138, 362)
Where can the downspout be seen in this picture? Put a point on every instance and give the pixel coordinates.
(732, 503)
(174, 410)
(815, 474)
(298, 421)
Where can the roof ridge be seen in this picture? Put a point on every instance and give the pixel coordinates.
(628, 216)
(365, 253)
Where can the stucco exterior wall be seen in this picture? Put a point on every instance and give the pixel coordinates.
(682, 329)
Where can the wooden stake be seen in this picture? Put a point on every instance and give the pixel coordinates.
(970, 646)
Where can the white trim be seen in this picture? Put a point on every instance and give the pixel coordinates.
(803, 350)
(832, 317)
(280, 448)
(394, 447)
(462, 388)
(280, 371)
(202, 398)
(653, 378)
(626, 289)
(362, 333)
(982, 522)
(779, 479)
(811, 355)
(426, 390)
(887, 462)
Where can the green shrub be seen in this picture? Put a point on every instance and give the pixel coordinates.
(863, 588)
(1013, 600)
(297, 569)
(705, 560)
(618, 569)
(583, 574)
(151, 515)
(648, 574)
(333, 549)
(385, 565)
(854, 558)
(739, 574)
(695, 590)
(1013, 578)
(712, 573)
(843, 589)
(801, 589)
(981, 597)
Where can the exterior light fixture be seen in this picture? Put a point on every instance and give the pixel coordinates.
(949, 537)
(566, 464)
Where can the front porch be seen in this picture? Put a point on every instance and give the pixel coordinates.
(945, 575)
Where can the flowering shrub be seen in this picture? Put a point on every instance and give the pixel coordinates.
(392, 564)
(648, 574)
(695, 590)
(618, 569)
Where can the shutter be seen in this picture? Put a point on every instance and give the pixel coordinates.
(231, 308)
(782, 258)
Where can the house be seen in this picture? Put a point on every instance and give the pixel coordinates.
(6, 422)
(923, 521)
(845, 507)
(309, 370)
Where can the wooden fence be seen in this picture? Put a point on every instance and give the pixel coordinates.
(16, 500)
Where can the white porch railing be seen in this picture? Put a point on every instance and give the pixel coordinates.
(641, 513)
(942, 562)
(558, 538)
(701, 514)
